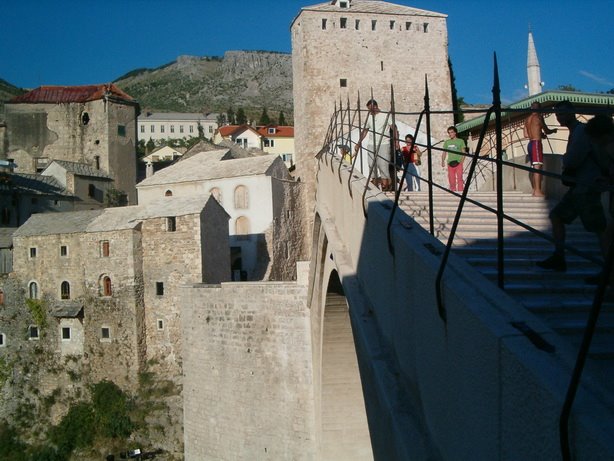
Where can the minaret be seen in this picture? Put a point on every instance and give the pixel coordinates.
(533, 72)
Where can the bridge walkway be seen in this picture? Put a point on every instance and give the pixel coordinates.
(562, 300)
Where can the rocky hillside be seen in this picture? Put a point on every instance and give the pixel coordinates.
(250, 80)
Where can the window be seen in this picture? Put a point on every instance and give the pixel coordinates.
(323, 24)
(171, 224)
(425, 27)
(160, 324)
(121, 130)
(63, 250)
(191, 128)
(391, 25)
(172, 128)
(33, 290)
(104, 248)
(33, 333)
(168, 193)
(107, 289)
(180, 128)
(381, 65)
(242, 226)
(373, 24)
(241, 197)
(343, 82)
(152, 128)
(66, 333)
(85, 118)
(217, 194)
(65, 290)
(210, 128)
(271, 130)
(2, 340)
(97, 161)
(142, 128)
(343, 23)
(91, 190)
(1, 297)
(408, 25)
(357, 24)
(162, 128)
(105, 334)
(343, 4)
(32, 252)
(160, 288)
(269, 142)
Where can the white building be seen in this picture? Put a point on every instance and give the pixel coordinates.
(175, 125)
(254, 191)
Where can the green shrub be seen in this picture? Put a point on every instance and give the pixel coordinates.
(112, 410)
(11, 448)
(38, 310)
(76, 430)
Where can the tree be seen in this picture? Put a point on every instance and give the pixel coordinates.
(221, 120)
(610, 91)
(282, 120)
(264, 118)
(150, 146)
(241, 117)
(230, 115)
(568, 87)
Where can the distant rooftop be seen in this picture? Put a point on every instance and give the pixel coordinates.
(60, 94)
(176, 116)
(210, 165)
(109, 219)
(581, 100)
(81, 169)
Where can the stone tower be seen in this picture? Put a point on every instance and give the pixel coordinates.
(343, 47)
(534, 82)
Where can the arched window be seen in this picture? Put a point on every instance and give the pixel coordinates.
(168, 193)
(217, 194)
(33, 290)
(65, 290)
(241, 197)
(242, 226)
(106, 286)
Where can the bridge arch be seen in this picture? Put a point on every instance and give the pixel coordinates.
(342, 427)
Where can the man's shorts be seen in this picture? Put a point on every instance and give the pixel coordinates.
(536, 153)
(586, 205)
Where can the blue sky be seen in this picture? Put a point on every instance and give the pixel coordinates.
(72, 42)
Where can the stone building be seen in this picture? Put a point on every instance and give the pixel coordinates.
(160, 126)
(94, 125)
(258, 194)
(344, 47)
(109, 281)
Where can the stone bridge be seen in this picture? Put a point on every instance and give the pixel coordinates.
(356, 361)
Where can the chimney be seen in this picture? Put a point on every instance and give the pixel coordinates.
(149, 170)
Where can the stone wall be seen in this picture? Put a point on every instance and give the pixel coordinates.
(247, 372)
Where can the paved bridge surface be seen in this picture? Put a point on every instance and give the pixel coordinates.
(488, 380)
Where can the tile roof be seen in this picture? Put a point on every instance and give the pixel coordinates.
(210, 165)
(109, 219)
(81, 169)
(35, 184)
(66, 309)
(281, 131)
(234, 130)
(65, 94)
(373, 6)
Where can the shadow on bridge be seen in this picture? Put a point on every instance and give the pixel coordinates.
(451, 366)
